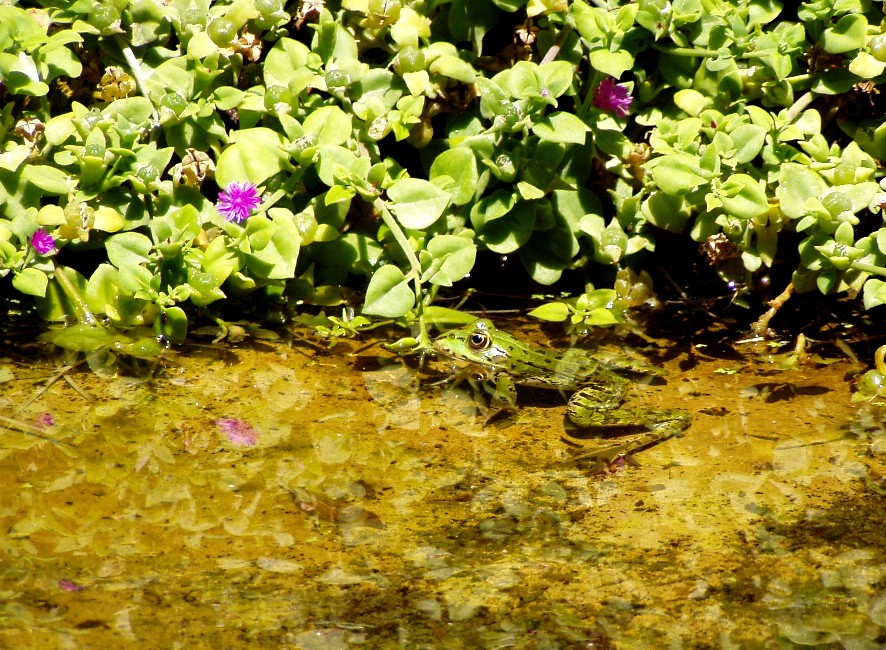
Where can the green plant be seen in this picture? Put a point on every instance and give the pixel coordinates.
(391, 143)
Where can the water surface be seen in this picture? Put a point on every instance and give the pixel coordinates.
(278, 495)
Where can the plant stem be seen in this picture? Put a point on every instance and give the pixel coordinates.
(81, 309)
(399, 235)
(272, 200)
(552, 53)
(798, 78)
(761, 325)
(424, 341)
(686, 51)
(137, 73)
(868, 268)
(798, 107)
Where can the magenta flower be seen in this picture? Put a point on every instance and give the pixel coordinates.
(613, 97)
(237, 201)
(43, 242)
(238, 431)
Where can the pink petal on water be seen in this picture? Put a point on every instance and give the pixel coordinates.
(238, 431)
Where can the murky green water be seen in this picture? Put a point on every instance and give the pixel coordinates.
(270, 496)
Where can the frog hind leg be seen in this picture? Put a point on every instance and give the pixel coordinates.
(662, 424)
(593, 407)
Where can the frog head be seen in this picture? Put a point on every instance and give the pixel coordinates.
(480, 343)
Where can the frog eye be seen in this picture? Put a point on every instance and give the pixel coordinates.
(478, 340)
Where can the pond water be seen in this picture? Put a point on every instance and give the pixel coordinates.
(281, 495)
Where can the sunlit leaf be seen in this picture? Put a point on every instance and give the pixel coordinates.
(417, 203)
(388, 293)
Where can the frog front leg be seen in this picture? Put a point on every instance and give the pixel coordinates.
(499, 386)
(502, 391)
(504, 396)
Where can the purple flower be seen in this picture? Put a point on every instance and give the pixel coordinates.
(237, 201)
(43, 242)
(238, 431)
(613, 97)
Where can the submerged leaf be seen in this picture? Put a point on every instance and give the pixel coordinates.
(335, 511)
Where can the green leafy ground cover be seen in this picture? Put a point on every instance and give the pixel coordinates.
(387, 146)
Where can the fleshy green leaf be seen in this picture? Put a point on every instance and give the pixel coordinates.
(555, 312)
(388, 294)
(677, 174)
(30, 281)
(128, 249)
(274, 247)
(561, 127)
(613, 64)
(742, 197)
(850, 33)
(48, 178)
(796, 184)
(455, 170)
(328, 125)
(417, 203)
(453, 259)
(254, 155)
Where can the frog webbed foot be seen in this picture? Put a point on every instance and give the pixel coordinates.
(608, 451)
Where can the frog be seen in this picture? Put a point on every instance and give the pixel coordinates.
(499, 359)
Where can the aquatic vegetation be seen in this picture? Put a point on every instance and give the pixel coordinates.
(44, 420)
(70, 585)
(872, 384)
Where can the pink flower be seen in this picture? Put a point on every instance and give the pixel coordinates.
(43, 242)
(70, 585)
(44, 420)
(613, 97)
(237, 201)
(238, 431)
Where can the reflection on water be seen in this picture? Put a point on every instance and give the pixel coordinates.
(269, 498)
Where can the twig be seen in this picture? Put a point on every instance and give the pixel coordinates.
(761, 325)
(77, 388)
(687, 299)
(61, 373)
(29, 430)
